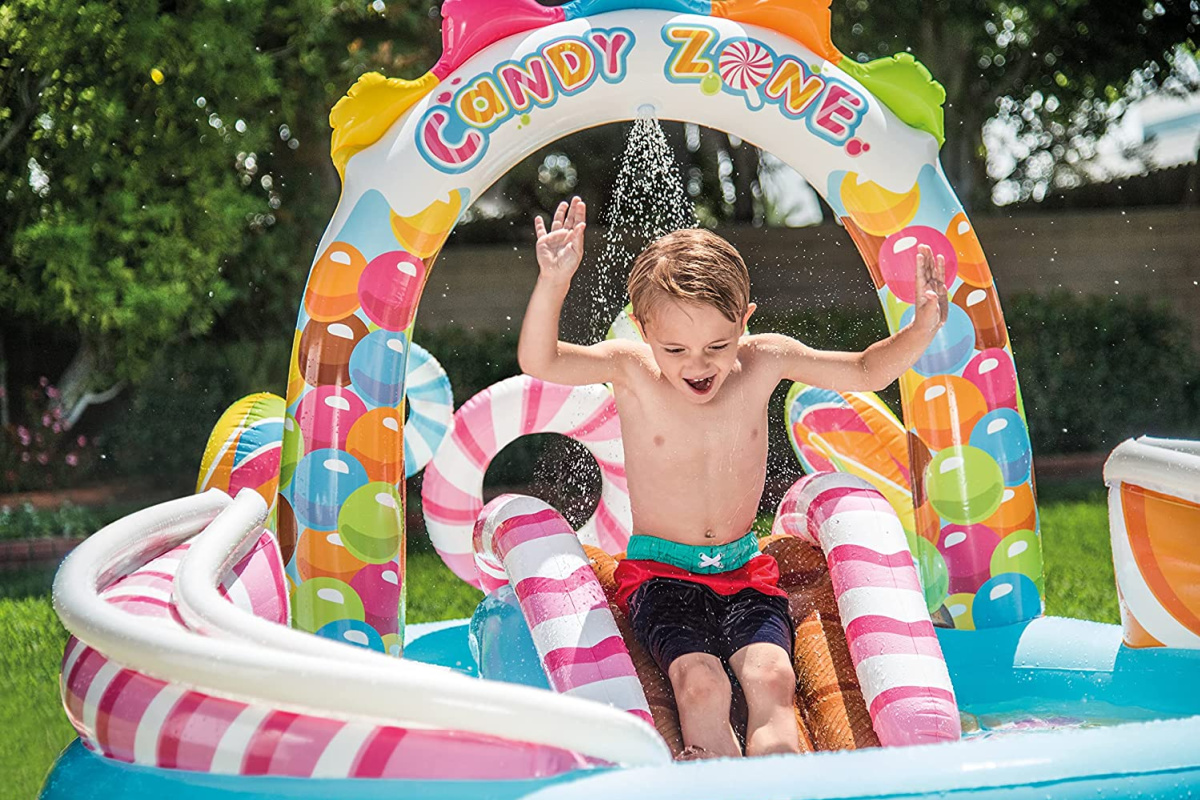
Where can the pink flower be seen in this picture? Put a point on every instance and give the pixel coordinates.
(51, 392)
(45, 420)
(3, 392)
(57, 427)
(56, 412)
(25, 457)
(72, 459)
(43, 381)
(81, 441)
(43, 458)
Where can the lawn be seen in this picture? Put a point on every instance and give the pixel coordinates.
(1079, 583)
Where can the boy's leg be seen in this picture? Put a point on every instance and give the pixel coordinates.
(677, 622)
(765, 672)
(702, 694)
(759, 630)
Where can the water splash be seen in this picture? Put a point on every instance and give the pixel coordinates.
(648, 201)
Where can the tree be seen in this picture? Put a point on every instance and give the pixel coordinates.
(162, 163)
(1056, 69)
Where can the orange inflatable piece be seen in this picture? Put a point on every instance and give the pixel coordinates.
(805, 21)
(1162, 533)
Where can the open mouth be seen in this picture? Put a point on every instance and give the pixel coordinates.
(700, 386)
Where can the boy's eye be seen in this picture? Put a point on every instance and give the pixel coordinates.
(718, 347)
(674, 350)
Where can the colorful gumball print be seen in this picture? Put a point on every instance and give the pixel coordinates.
(377, 368)
(982, 307)
(1017, 511)
(292, 450)
(423, 233)
(972, 264)
(1020, 551)
(968, 552)
(965, 484)
(868, 247)
(876, 210)
(319, 601)
(287, 530)
(993, 373)
(323, 356)
(326, 414)
(944, 409)
(389, 289)
(959, 606)
(332, 291)
(323, 481)
(370, 523)
(951, 347)
(352, 631)
(375, 440)
(898, 259)
(1006, 599)
(321, 554)
(932, 568)
(378, 586)
(1002, 435)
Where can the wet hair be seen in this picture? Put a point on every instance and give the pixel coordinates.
(691, 266)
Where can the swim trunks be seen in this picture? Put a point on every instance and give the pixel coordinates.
(701, 599)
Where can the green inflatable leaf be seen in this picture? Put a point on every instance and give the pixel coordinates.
(905, 86)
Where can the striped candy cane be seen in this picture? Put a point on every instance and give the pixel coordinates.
(573, 629)
(430, 408)
(136, 718)
(452, 494)
(892, 642)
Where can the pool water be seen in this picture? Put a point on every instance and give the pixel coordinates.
(1020, 717)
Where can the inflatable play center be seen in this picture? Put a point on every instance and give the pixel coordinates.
(250, 640)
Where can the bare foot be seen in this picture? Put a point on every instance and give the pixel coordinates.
(695, 753)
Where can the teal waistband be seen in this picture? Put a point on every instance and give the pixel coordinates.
(698, 558)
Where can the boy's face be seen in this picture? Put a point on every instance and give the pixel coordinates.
(695, 346)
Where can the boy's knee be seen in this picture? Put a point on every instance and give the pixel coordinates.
(699, 681)
(771, 678)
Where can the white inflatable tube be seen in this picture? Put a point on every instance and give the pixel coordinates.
(402, 692)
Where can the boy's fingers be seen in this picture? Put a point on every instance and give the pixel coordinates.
(560, 214)
(539, 226)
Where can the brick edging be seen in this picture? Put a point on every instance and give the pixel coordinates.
(23, 553)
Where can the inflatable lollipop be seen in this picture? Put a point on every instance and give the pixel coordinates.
(744, 66)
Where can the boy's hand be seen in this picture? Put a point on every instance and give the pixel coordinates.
(560, 250)
(932, 303)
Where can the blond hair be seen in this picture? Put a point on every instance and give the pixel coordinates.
(691, 266)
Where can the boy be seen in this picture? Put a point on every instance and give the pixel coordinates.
(693, 406)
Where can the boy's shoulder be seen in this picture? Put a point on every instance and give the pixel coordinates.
(766, 344)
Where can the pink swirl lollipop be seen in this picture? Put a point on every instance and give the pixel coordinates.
(744, 66)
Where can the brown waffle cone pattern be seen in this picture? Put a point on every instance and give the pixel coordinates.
(828, 696)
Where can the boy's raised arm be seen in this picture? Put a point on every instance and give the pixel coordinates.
(539, 351)
(881, 363)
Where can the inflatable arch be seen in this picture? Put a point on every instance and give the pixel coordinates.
(515, 76)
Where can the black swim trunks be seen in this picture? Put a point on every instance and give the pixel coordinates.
(672, 617)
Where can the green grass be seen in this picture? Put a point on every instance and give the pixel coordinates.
(35, 728)
(1079, 583)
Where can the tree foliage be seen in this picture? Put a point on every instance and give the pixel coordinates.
(163, 163)
(1056, 70)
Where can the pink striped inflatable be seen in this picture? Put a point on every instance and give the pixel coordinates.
(137, 718)
(892, 642)
(452, 495)
(573, 629)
